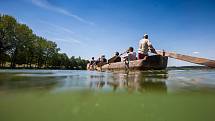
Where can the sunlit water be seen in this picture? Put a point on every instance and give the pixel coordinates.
(64, 95)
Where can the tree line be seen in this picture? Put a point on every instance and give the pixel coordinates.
(19, 46)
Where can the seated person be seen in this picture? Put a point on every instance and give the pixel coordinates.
(92, 62)
(131, 55)
(117, 57)
(114, 59)
(98, 61)
(101, 61)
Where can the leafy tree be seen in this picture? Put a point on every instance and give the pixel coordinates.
(24, 37)
(51, 49)
(19, 45)
(7, 35)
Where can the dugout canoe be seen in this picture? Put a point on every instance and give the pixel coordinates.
(155, 62)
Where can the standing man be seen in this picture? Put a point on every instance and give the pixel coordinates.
(144, 46)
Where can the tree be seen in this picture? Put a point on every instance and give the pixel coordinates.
(40, 51)
(7, 35)
(51, 49)
(19, 45)
(23, 40)
(31, 51)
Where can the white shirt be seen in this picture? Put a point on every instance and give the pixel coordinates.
(144, 46)
(131, 56)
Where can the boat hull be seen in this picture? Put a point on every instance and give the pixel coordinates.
(155, 62)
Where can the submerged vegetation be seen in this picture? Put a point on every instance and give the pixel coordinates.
(21, 48)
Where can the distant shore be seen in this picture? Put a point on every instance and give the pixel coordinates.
(187, 67)
(35, 67)
(63, 68)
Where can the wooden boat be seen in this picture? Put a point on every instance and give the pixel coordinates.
(155, 62)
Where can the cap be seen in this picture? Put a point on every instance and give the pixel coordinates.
(145, 35)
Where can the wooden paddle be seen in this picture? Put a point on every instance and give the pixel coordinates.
(196, 60)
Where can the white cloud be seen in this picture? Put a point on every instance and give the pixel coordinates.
(69, 40)
(57, 27)
(46, 5)
(59, 34)
(195, 52)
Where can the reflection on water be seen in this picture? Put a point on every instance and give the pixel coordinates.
(133, 81)
(13, 81)
(116, 81)
(137, 81)
(191, 80)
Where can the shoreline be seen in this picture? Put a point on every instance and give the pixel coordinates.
(59, 68)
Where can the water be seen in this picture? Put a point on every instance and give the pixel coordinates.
(63, 95)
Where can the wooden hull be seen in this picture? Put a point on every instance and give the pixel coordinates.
(155, 62)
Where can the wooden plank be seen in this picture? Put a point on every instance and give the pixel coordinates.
(191, 59)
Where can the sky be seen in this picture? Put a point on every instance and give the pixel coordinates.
(89, 28)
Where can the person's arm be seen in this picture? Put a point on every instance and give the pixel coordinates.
(140, 46)
(151, 48)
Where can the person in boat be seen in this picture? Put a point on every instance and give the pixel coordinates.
(131, 55)
(98, 61)
(144, 46)
(101, 61)
(91, 64)
(115, 59)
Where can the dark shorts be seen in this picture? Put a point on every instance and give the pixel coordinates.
(141, 56)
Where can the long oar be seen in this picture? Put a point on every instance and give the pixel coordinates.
(196, 60)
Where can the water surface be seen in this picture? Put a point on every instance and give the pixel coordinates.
(61, 95)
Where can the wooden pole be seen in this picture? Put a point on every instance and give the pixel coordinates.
(191, 59)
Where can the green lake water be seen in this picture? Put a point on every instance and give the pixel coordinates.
(64, 95)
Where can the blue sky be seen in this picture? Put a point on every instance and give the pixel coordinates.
(89, 28)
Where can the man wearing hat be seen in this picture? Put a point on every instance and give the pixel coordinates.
(144, 46)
